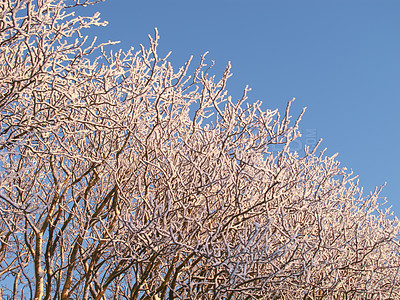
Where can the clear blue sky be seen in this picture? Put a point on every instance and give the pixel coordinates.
(339, 58)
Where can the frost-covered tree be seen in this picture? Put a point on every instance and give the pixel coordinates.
(121, 178)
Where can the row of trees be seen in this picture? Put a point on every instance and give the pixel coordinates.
(121, 178)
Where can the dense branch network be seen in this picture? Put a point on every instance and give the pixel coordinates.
(121, 178)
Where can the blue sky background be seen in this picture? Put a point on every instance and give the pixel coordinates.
(339, 58)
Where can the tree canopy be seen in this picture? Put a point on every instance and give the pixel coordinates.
(122, 178)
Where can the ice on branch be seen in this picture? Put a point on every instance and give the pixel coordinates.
(122, 178)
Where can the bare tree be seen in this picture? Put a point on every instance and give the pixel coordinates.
(121, 178)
